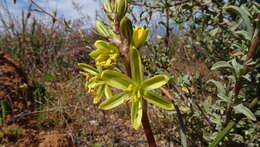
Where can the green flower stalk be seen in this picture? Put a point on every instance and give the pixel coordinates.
(124, 43)
(135, 90)
(106, 53)
(94, 83)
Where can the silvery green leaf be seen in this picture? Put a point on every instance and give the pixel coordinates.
(244, 110)
(220, 64)
(244, 34)
(213, 32)
(237, 67)
(224, 97)
(245, 15)
(220, 86)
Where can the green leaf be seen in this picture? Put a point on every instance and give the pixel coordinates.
(136, 114)
(184, 141)
(213, 32)
(108, 92)
(113, 101)
(136, 65)
(154, 82)
(220, 64)
(158, 101)
(244, 34)
(88, 68)
(222, 134)
(244, 110)
(237, 67)
(116, 79)
(220, 87)
(245, 15)
(223, 97)
(99, 94)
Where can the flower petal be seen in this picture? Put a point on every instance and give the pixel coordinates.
(136, 65)
(158, 101)
(154, 82)
(88, 68)
(113, 101)
(136, 114)
(116, 79)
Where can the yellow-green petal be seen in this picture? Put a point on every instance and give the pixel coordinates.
(88, 68)
(113, 101)
(108, 92)
(155, 82)
(116, 79)
(136, 65)
(158, 101)
(99, 95)
(136, 114)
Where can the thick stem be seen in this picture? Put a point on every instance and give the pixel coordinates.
(147, 127)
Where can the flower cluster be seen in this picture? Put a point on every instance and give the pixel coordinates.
(105, 54)
(124, 37)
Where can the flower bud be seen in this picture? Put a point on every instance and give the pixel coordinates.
(121, 8)
(126, 28)
(108, 6)
(102, 30)
(139, 36)
(105, 54)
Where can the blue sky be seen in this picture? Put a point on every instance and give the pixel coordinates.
(64, 8)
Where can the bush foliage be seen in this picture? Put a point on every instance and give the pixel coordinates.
(206, 56)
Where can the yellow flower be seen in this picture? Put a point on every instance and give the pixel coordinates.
(139, 36)
(105, 54)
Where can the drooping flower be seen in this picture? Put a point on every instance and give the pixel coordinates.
(105, 54)
(139, 36)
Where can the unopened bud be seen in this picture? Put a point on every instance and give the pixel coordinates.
(126, 28)
(102, 30)
(108, 6)
(121, 8)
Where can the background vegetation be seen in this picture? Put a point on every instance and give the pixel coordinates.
(205, 46)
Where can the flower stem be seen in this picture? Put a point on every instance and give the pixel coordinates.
(145, 120)
(124, 50)
(147, 127)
